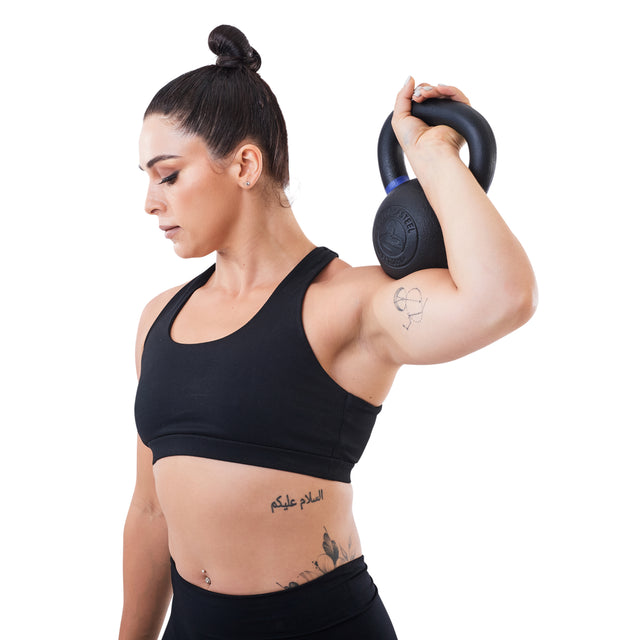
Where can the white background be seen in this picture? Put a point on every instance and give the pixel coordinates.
(499, 495)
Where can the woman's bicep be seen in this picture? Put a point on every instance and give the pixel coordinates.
(424, 319)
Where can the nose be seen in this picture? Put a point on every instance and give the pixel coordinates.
(153, 204)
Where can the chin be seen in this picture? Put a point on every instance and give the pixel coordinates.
(186, 252)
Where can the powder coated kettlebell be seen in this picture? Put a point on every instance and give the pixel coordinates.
(406, 232)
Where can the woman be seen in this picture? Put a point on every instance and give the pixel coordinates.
(260, 380)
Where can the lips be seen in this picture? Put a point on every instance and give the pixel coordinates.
(169, 230)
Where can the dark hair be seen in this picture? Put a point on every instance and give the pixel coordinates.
(228, 102)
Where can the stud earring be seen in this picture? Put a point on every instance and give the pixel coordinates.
(248, 184)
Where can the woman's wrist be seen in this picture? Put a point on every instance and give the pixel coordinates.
(435, 149)
(431, 162)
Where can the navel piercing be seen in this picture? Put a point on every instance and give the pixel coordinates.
(205, 577)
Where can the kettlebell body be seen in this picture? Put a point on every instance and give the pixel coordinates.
(407, 235)
(406, 232)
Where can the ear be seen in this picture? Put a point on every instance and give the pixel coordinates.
(248, 164)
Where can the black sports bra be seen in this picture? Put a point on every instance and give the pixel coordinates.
(258, 396)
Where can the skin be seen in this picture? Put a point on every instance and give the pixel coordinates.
(361, 324)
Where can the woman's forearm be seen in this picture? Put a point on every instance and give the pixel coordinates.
(146, 573)
(484, 257)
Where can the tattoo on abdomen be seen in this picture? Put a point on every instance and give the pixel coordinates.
(410, 303)
(288, 503)
(333, 556)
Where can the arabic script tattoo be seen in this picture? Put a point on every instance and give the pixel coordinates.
(333, 556)
(410, 303)
(289, 503)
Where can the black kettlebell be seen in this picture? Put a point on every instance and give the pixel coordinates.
(406, 232)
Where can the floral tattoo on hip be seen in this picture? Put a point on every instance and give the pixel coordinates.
(333, 556)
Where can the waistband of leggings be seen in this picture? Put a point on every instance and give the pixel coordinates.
(334, 597)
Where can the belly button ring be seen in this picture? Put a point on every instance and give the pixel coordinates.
(205, 577)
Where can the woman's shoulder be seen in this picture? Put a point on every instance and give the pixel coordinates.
(343, 291)
(340, 275)
(154, 306)
(148, 316)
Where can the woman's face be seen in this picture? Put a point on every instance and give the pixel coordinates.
(195, 198)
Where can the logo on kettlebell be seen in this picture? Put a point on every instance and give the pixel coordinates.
(397, 236)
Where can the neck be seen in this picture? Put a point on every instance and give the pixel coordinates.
(264, 245)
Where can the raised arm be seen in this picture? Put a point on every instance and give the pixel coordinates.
(488, 290)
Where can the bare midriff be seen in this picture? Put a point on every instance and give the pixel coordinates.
(253, 530)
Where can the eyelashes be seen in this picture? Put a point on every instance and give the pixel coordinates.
(170, 179)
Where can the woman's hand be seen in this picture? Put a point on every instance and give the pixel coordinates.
(413, 132)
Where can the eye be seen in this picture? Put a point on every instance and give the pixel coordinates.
(170, 179)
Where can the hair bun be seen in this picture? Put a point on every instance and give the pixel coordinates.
(233, 49)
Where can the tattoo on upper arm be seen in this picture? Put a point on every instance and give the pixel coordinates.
(411, 304)
(333, 556)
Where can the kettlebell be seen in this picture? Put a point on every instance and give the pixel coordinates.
(406, 232)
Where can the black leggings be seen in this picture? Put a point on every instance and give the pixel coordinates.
(340, 605)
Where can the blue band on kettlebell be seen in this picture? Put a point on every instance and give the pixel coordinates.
(396, 182)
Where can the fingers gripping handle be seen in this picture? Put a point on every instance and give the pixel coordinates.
(470, 124)
(407, 235)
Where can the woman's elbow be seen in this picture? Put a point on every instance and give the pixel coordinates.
(520, 302)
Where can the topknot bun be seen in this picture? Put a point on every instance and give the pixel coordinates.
(233, 49)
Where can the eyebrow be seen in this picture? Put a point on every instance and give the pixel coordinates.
(157, 159)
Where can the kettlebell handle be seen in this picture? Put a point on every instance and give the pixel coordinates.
(470, 124)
